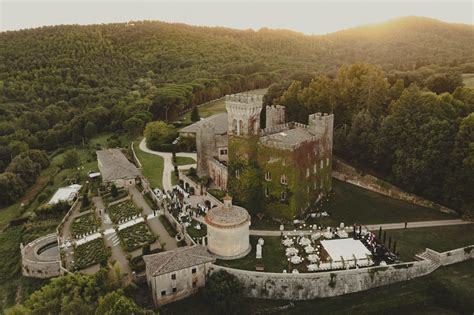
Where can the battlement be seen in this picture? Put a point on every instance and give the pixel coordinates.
(244, 98)
(282, 127)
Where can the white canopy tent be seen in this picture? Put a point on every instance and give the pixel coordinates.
(346, 249)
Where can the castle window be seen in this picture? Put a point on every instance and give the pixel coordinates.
(267, 192)
(322, 164)
(223, 151)
(268, 176)
(283, 162)
(315, 168)
(174, 290)
(193, 270)
(173, 276)
(283, 179)
(237, 174)
(234, 126)
(307, 172)
(283, 195)
(327, 161)
(163, 293)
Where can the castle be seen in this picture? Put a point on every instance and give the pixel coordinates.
(281, 170)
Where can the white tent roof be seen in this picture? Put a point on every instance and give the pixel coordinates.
(346, 248)
(65, 194)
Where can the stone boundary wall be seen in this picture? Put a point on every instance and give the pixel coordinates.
(347, 173)
(307, 286)
(188, 239)
(135, 157)
(36, 267)
(453, 256)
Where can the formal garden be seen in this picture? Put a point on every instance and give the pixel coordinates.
(136, 236)
(123, 211)
(84, 225)
(90, 253)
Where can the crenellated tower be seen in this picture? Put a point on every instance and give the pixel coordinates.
(205, 147)
(243, 112)
(322, 124)
(275, 115)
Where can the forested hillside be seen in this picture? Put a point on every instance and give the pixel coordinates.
(65, 84)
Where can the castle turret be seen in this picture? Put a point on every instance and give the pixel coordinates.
(322, 124)
(275, 115)
(243, 112)
(205, 147)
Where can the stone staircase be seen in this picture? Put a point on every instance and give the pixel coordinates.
(432, 258)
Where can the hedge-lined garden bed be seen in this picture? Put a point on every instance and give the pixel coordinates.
(169, 228)
(123, 211)
(83, 225)
(136, 236)
(90, 253)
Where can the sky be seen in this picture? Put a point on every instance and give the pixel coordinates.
(309, 17)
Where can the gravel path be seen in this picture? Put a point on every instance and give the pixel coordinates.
(168, 164)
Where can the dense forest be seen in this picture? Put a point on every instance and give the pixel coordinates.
(396, 127)
(65, 84)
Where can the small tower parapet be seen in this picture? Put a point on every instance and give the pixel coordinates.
(322, 125)
(275, 115)
(243, 112)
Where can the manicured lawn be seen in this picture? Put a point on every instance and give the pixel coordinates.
(152, 166)
(90, 253)
(184, 160)
(448, 290)
(123, 211)
(212, 108)
(442, 238)
(84, 224)
(195, 233)
(136, 236)
(351, 204)
(273, 256)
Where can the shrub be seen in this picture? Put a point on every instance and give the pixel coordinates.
(223, 292)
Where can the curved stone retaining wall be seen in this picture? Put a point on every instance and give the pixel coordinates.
(35, 265)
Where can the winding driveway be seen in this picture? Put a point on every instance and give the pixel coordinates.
(168, 163)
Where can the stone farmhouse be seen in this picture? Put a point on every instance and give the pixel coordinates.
(291, 161)
(116, 168)
(178, 273)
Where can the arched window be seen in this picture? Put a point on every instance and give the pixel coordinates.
(241, 127)
(234, 126)
(268, 176)
(283, 179)
(283, 195)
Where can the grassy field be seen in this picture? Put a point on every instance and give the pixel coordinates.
(448, 290)
(468, 80)
(441, 239)
(183, 160)
(215, 107)
(273, 258)
(152, 166)
(352, 204)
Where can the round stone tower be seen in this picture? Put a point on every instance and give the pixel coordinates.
(228, 230)
(243, 112)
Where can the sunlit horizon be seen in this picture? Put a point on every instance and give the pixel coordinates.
(306, 17)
